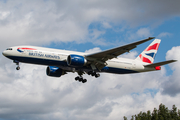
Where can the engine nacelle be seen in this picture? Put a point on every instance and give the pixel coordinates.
(54, 71)
(76, 60)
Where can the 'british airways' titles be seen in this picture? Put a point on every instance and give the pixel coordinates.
(44, 55)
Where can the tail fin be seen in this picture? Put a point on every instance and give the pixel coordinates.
(148, 55)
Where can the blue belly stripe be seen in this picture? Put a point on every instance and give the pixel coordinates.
(47, 62)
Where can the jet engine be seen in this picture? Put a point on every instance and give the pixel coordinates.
(54, 71)
(76, 60)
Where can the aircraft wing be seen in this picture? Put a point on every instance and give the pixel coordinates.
(99, 59)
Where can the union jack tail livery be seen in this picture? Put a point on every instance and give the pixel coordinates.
(148, 55)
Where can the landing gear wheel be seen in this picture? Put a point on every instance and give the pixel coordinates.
(97, 75)
(80, 79)
(17, 68)
(93, 74)
(84, 81)
(76, 78)
(89, 73)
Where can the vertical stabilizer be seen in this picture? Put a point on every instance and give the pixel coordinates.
(148, 55)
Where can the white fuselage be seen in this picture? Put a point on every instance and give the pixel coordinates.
(58, 58)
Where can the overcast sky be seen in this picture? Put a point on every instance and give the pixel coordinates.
(87, 26)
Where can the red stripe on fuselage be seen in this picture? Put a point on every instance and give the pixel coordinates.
(27, 48)
(153, 47)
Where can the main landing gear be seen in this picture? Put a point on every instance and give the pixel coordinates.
(80, 78)
(92, 73)
(17, 63)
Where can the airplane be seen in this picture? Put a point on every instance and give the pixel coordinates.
(60, 62)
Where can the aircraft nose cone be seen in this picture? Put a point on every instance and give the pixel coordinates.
(4, 53)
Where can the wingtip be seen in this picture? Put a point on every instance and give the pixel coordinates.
(174, 60)
(171, 61)
(151, 37)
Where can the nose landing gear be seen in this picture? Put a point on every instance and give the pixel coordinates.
(17, 68)
(17, 63)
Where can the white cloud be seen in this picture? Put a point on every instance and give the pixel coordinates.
(106, 25)
(172, 85)
(96, 33)
(143, 32)
(164, 34)
(131, 55)
(32, 22)
(4, 15)
(140, 33)
(96, 49)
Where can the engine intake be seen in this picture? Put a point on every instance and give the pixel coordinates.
(54, 71)
(76, 60)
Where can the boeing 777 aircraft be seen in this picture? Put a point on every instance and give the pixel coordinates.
(60, 62)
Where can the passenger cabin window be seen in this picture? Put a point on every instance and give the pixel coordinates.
(9, 49)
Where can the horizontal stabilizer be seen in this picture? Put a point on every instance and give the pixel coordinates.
(160, 63)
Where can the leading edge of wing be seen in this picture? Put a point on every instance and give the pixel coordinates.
(114, 52)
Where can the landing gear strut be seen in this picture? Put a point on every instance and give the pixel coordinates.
(17, 63)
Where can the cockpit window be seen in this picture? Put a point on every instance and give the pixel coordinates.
(9, 49)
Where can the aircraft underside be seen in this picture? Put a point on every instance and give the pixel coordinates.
(63, 65)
